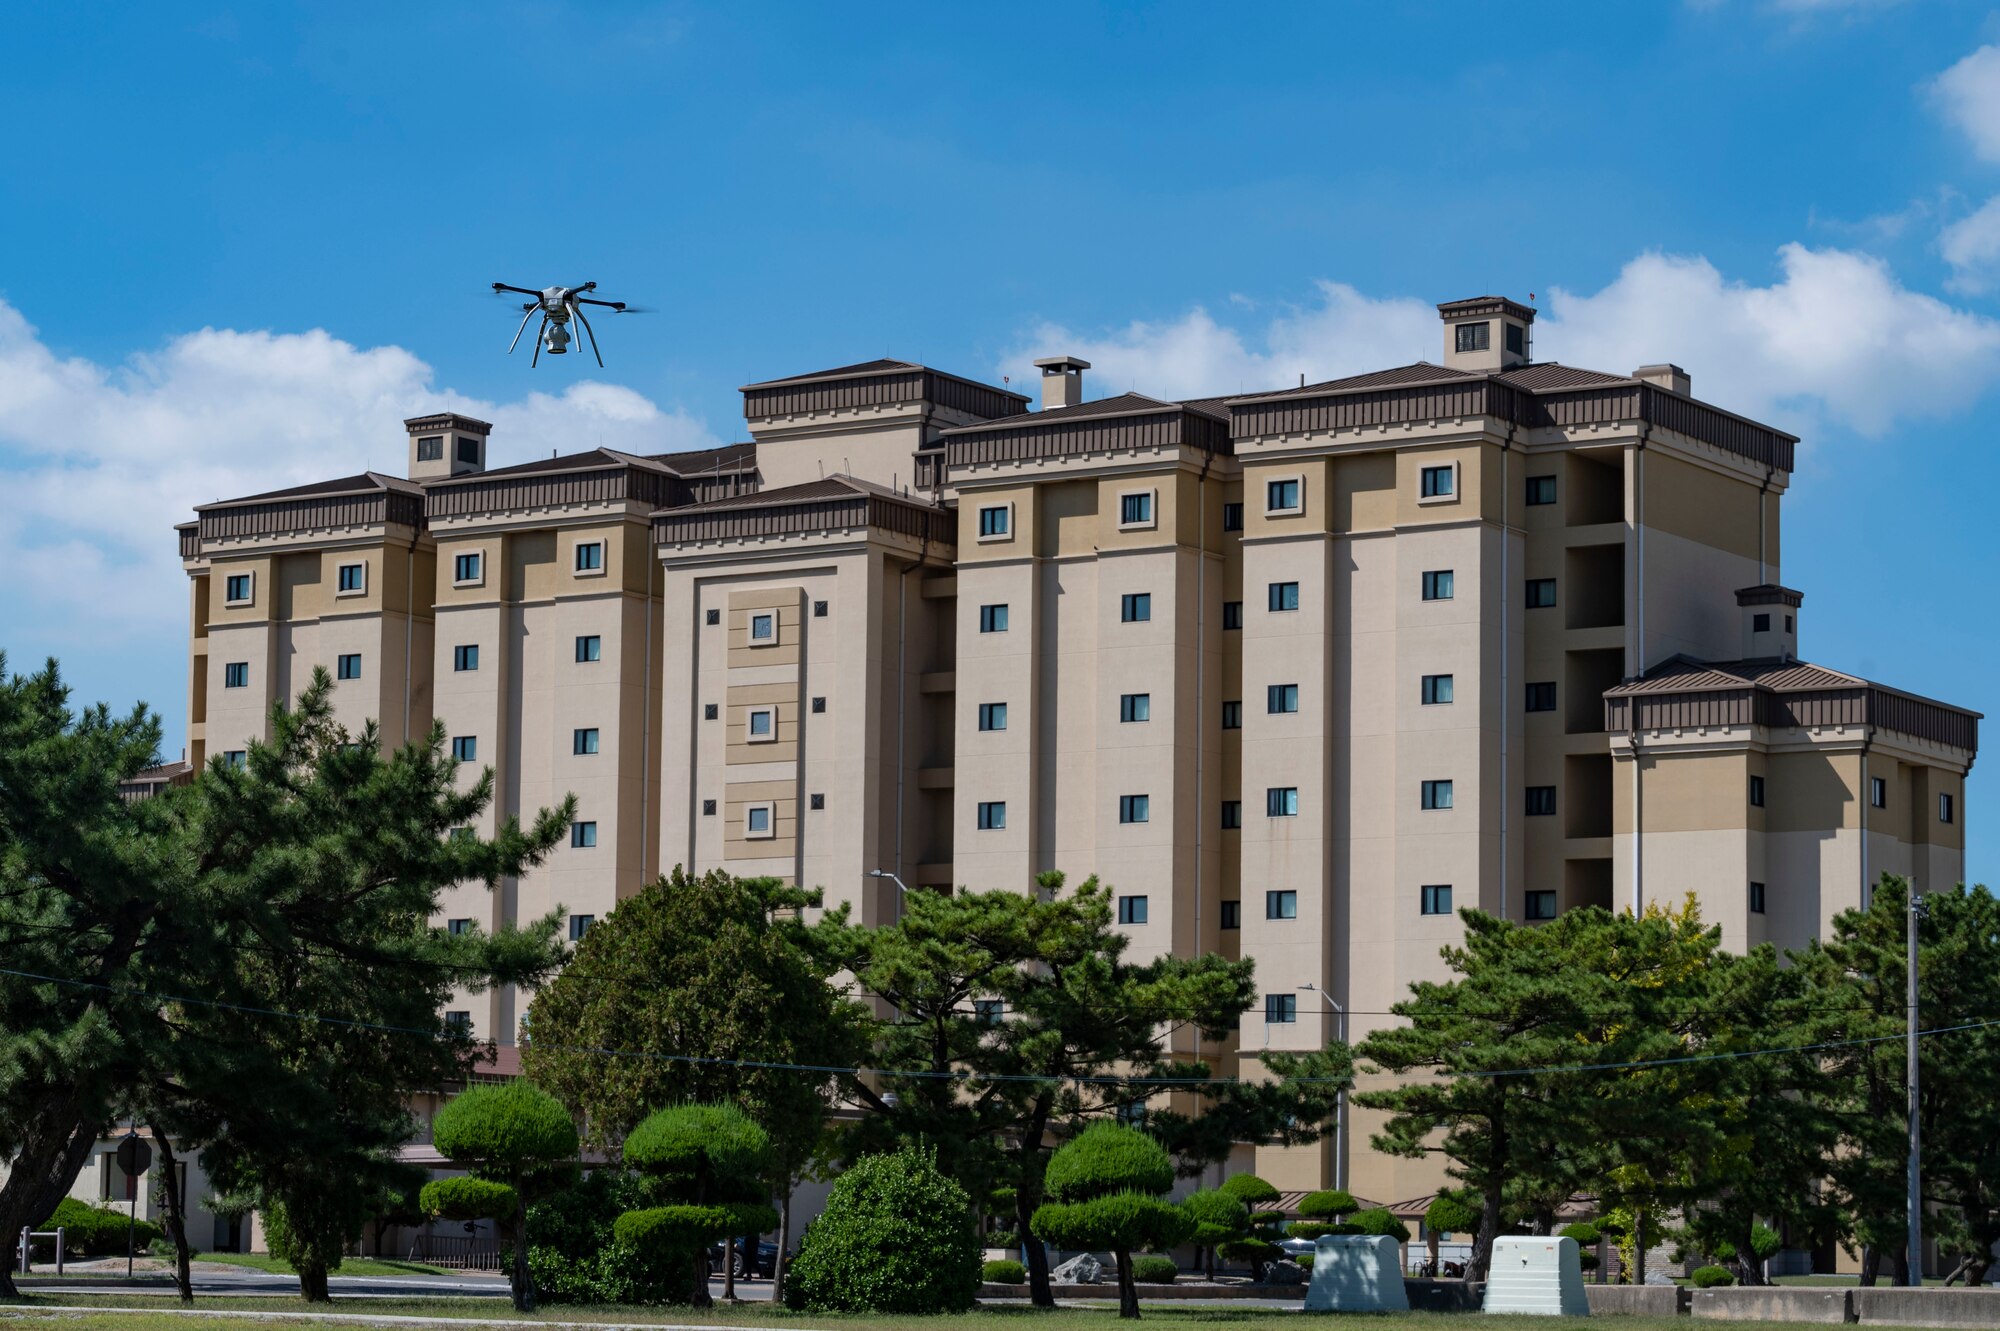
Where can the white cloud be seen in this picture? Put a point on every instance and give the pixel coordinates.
(1969, 95)
(1835, 340)
(99, 461)
(1971, 245)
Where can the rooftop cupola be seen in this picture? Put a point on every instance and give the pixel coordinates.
(1770, 622)
(1486, 333)
(446, 444)
(1062, 380)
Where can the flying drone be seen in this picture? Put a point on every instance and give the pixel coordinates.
(556, 305)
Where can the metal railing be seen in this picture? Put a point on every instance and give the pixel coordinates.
(455, 1252)
(28, 1236)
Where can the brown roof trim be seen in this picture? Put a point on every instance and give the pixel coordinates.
(837, 503)
(1045, 434)
(448, 420)
(368, 482)
(1684, 694)
(1476, 305)
(1769, 593)
(275, 517)
(878, 383)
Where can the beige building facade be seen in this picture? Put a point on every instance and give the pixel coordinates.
(1300, 673)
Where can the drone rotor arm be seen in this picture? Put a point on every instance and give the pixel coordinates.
(591, 331)
(502, 286)
(618, 305)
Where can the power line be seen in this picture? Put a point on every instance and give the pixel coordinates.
(1733, 1054)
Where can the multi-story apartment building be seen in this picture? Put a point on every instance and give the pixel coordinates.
(1299, 672)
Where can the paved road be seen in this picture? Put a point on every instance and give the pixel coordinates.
(221, 1278)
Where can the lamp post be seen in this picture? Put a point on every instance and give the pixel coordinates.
(1915, 1201)
(1340, 1101)
(901, 888)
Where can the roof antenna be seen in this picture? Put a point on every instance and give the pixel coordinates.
(1302, 378)
(822, 468)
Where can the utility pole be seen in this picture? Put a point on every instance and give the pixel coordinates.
(1915, 1262)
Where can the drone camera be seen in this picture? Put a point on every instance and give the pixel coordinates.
(556, 340)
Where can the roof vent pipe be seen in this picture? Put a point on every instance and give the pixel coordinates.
(1062, 381)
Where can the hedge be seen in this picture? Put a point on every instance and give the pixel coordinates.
(1107, 1158)
(896, 1237)
(1707, 1277)
(504, 1128)
(1004, 1272)
(98, 1231)
(465, 1198)
(1151, 1270)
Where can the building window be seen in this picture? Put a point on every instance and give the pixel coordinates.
(992, 815)
(1878, 792)
(467, 568)
(1281, 698)
(710, 711)
(1281, 1009)
(764, 628)
(465, 748)
(1435, 898)
(1232, 517)
(1284, 596)
(1232, 815)
(1517, 339)
(582, 836)
(579, 925)
(1135, 808)
(819, 609)
(347, 666)
(1756, 898)
(468, 451)
(1232, 715)
(712, 616)
(430, 448)
(1281, 905)
(762, 723)
(1436, 690)
(708, 808)
(465, 657)
(1135, 707)
(237, 588)
(236, 675)
(1281, 802)
(590, 557)
(462, 834)
(1757, 792)
(1437, 795)
(353, 578)
(1232, 915)
(458, 1022)
(1760, 623)
(1541, 801)
(816, 801)
(819, 705)
(234, 757)
(589, 647)
(583, 741)
(1944, 808)
(1135, 607)
(993, 716)
(457, 927)
(1282, 496)
(1542, 697)
(1438, 482)
(760, 821)
(1131, 910)
(1788, 623)
(993, 619)
(1136, 510)
(1438, 585)
(1232, 614)
(988, 1011)
(1541, 905)
(1541, 490)
(1541, 594)
(1473, 337)
(995, 520)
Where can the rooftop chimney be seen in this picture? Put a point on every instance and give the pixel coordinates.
(1062, 380)
(446, 444)
(1486, 333)
(1670, 377)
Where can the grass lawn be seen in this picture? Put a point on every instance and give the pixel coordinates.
(349, 1266)
(126, 1313)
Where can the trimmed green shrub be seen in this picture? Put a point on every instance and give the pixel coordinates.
(1004, 1272)
(465, 1198)
(1103, 1188)
(98, 1231)
(1328, 1204)
(710, 1163)
(575, 1256)
(1377, 1220)
(896, 1237)
(1302, 1259)
(1002, 1238)
(504, 1128)
(1151, 1270)
(1105, 1158)
(1708, 1277)
(1586, 1236)
(1249, 1189)
(1448, 1214)
(689, 1145)
(1765, 1242)
(1218, 1218)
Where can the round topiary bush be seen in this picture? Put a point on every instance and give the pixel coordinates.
(896, 1237)
(1708, 1277)
(1448, 1214)
(1004, 1272)
(466, 1198)
(1252, 1191)
(1154, 1270)
(1328, 1204)
(1377, 1220)
(1586, 1236)
(98, 1231)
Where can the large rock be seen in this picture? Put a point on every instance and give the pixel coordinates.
(1284, 1273)
(1083, 1270)
(1357, 1273)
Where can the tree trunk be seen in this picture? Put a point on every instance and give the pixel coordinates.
(1027, 1189)
(1128, 1293)
(1753, 1267)
(55, 1143)
(312, 1283)
(523, 1279)
(1871, 1265)
(1433, 1250)
(170, 1183)
(729, 1269)
(1482, 1242)
(699, 1297)
(1638, 1245)
(784, 1242)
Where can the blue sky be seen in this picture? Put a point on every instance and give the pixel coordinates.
(239, 244)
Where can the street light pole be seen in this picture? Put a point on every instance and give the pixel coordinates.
(1914, 1202)
(1340, 1100)
(901, 888)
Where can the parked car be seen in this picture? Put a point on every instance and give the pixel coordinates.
(764, 1265)
(1298, 1247)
